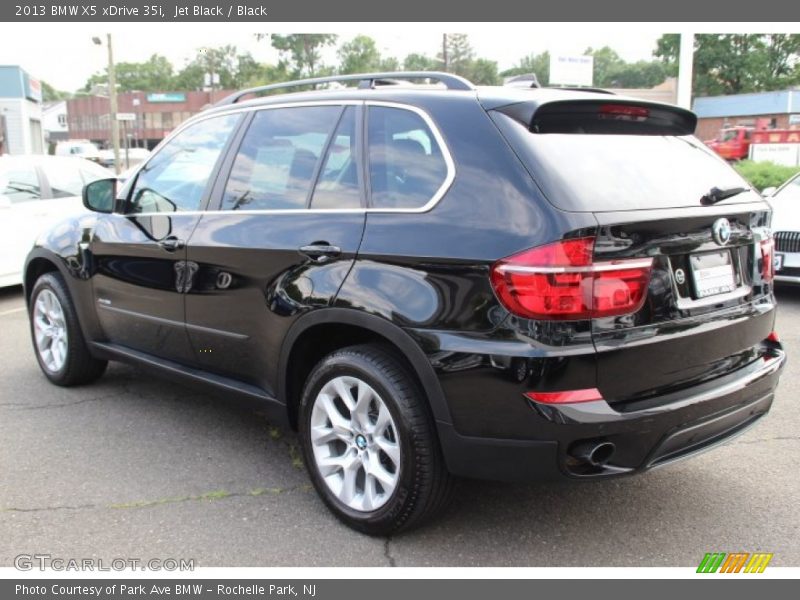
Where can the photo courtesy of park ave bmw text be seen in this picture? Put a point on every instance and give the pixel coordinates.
(315, 300)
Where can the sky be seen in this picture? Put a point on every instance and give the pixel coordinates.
(65, 57)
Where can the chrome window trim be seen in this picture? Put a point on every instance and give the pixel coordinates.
(437, 196)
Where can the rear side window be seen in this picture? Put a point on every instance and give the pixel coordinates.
(406, 164)
(277, 162)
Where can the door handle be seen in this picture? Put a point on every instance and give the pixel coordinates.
(171, 244)
(320, 252)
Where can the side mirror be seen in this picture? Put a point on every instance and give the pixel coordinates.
(769, 191)
(99, 195)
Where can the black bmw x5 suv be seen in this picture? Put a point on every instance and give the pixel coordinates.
(430, 280)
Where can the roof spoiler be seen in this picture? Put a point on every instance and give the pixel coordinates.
(613, 115)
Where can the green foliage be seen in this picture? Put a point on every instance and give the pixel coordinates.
(51, 94)
(611, 71)
(420, 62)
(737, 63)
(539, 64)
(360, 55)
(302, 51)
(461, 61)
(762, 175)
(154, 74)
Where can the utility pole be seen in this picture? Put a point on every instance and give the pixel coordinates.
(112, 99)
(444, 52)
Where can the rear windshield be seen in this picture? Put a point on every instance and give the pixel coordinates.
(597, 173)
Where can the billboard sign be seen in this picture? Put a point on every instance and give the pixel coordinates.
(571, 70)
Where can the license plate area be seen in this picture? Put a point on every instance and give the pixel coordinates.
(712, 273)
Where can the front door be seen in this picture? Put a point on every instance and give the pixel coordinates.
(140, 253)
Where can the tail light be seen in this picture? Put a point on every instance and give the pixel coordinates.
(560, 281)
(768, 259)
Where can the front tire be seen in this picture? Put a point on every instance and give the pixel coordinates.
(58, 341)
(369, 442)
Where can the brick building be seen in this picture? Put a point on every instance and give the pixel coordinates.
(775, 110)
(156, 114)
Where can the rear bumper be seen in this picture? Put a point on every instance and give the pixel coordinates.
(646, 435)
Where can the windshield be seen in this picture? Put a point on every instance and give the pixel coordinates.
(729, 135)
(789, 193)
(585, 172)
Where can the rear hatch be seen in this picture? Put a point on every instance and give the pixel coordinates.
(708, 305)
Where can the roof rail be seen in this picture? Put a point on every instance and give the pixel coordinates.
(366, 81)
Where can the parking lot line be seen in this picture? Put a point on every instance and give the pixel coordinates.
(12, 311)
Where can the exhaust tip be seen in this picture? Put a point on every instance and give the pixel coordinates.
(596, 453)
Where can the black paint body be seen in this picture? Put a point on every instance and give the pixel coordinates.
(240, 310)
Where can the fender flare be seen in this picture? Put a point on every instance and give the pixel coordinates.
(401, 339)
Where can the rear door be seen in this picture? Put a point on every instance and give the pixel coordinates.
(140, 253)
(709, 303)
(289, 222)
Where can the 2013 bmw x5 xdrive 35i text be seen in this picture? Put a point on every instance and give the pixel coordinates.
(430, 281)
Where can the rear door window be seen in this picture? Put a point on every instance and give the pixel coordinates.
(337, 186)
(277, 162)
(406, 163)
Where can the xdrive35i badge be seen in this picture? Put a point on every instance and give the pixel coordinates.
(721, 231)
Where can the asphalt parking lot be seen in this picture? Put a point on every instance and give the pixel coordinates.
(134, 466)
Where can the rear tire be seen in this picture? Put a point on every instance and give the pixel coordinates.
(58, 341)
(370, 444)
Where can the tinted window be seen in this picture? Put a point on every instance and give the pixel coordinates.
(337, 186)
(176, 177)
(406, 166)
(277, 161)
(19, 184)
(586, 172)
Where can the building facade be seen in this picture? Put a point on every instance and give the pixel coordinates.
(773, 110)
(20, 112)
(155, 115)
(54, 122)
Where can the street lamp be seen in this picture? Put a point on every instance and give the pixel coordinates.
(112, 97)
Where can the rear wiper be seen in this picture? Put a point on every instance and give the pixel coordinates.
(715, 194)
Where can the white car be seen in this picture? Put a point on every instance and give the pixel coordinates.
(786, 225)
(35, 192)
(78, 149)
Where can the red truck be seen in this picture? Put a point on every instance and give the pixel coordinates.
(733, 143)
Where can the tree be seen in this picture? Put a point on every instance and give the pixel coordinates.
(482, 71)
(420, 62)
(235, 69)
(538, 64)
(736, 63)
(154, 74)
(461, 61)
(302, 50)
(51, 94)
(360, 55)
(459, 53)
